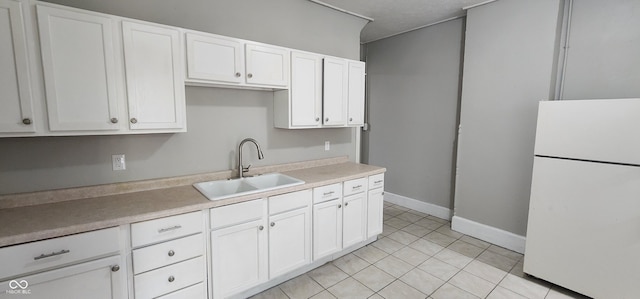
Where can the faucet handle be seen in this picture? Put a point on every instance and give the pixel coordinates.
(245, 169)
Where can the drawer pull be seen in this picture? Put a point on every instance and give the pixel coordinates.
(171, 278)
(378, 182)
(164, 230)
(42, 256)
(328, 193)
(115, 268)
(171, 253)
(356, 187)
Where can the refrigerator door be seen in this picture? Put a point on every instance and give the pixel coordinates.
(584, 227)
(597, 130)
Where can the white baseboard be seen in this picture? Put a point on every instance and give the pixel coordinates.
(418, 205)
(489, 234)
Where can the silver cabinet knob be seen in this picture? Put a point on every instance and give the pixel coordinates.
(261, 227)
(339, 206)
(326, 119)
(273, 224)
(114, 120)
(171, 253)
(238, 74)
(249, 75)
(134, 120)
(115, 268)
(350, 118)
(317, 119)
(346, 204)
(382, 193)
(26, 121)
(171, 278)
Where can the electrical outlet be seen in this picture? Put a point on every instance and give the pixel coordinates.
(327, 145)
(118, 162)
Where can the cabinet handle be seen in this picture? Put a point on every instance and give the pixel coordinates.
(273, 224)
(238, 74)
(328, 193)
(339, 206)
(346, 204)
(317, 119)
(166, 229)
(171, 278)
(350, 118)
(326, 119)
(115, 268)
(134, 120)
(249, 75)
(114, 120)
(171, 253)
(42, 256)
(26, 121)
(382, 192)
(378, 182)
(356, 187)
(261, 227)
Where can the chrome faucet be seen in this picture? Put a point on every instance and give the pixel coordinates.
(241, 168)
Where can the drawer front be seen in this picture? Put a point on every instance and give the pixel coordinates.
(158, 230)
(197, 291)
(168, 279)
(355, 186)
(171, 252)
(47, 254)
(238, 213)
(289, 201)
(326, 193)
(376, 181)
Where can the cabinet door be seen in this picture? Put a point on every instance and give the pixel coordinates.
(155, 80)
(238, 258)
(214, 59)
(327, 228)
(334, 103)
(375, 203)
(356, 93)
(79, 70)
(306, 90)
(354, 219)
(100, 279)
(267, 66)
(289, 241)
(16, 111)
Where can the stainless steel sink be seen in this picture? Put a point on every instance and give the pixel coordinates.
(221, 189)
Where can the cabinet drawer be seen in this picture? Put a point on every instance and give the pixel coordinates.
(376, 181)
(238, 213)
(168, 279)
(326, 193)
(289, 201)
(196, 291)
(158, 230)
(355, 186)
(47, 254)
(171, 252)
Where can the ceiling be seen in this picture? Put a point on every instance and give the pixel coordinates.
(394, 17)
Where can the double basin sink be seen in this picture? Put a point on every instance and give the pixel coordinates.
(221, 189)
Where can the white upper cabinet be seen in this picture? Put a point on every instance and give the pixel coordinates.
(16, 108)
(224, 61)
(214, 58)
(301, 106)
(154, 74)
(267, 65)
(79, 70)
(355, 97)
(335, 91)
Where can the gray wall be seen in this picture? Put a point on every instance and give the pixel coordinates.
(217, 118)
(413, 82)
(508, 65)
(604, 50)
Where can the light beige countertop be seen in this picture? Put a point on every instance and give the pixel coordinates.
(49, 214)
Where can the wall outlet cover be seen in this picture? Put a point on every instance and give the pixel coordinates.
(118, 162)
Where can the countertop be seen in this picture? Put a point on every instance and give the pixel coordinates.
(55, 218)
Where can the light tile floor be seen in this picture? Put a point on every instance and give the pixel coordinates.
(419, 256)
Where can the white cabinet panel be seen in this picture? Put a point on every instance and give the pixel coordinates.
(306, 90)
(167, 228)
(79, 70)
(354, 219)
(155, 80)
(289, 241)
(167, 253)
(375, 205)
(327, 228)
(583, 226)
(335, 92)
(267, 65)
(214, 58)
(356, 93)
(169, 279)
(16, 113)
(100, 279)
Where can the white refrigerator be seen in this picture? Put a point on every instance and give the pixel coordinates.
(583, 230)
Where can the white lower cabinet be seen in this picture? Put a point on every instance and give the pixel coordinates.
(375, 205)
(87, 265)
